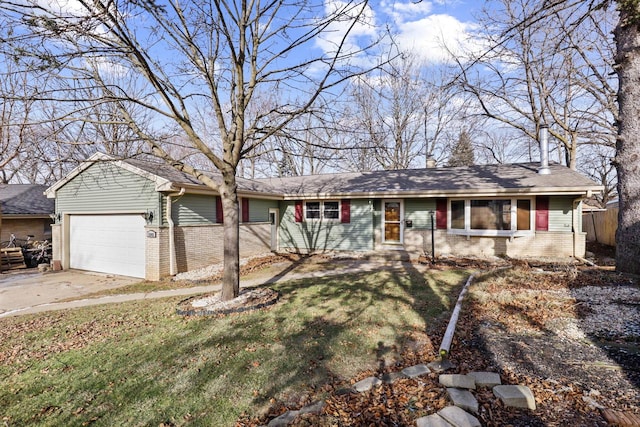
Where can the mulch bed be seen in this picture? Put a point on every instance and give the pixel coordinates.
(211, 305)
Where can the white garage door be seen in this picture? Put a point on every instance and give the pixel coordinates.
(108, 244)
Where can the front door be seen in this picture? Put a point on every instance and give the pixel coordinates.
(392, 221)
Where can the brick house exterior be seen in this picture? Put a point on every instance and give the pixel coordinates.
(163, 222)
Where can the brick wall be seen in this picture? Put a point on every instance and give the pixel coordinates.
(38, 227)
(541, 244)
(157, 253)
(201, 245)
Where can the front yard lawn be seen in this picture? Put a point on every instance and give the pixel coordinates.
(141, 364)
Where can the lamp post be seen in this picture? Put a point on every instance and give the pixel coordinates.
(433, 241)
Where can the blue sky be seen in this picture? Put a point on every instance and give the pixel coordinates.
(427, 26)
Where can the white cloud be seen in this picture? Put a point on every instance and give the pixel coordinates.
(399, 12)
(64, 7)
(436, 37)
(346, 13)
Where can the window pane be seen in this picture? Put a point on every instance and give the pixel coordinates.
(331, 210)
(457, 214)
(491, 214)
(524, 214)
(313, 210)
(391, 211)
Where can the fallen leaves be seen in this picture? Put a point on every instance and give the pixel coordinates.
(517, 308)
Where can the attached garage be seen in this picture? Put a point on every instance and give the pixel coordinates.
(144, 219)
(108, 243)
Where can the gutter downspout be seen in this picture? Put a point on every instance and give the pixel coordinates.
(576, 225)
(173, 264)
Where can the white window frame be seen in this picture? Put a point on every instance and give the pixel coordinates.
(322, 210)
(513, 232)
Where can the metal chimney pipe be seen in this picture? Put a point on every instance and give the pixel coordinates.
(544, 150)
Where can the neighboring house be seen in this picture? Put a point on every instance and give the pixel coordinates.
(148, 220)
(25, 210)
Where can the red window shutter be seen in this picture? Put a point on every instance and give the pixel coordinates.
(245, 210)
(345, 208)
(441, 214)
(542, 213)
(219, 214)
(298, 211)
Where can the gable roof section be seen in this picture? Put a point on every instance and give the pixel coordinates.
(165, 177)
(181, 179)
(25, 200)
(478, 180)
(97, 158)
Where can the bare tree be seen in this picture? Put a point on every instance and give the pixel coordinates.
(627, 69)
(16, 109)
(307, 146)
(598, 165)
(195, 57)
(388, 114)
(548, 71)
(400, 117)
(627, 160)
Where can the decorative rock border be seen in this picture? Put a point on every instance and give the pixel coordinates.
(458, 388)
(517, 396)
(264, 297)
(450, 416)
(288, 417)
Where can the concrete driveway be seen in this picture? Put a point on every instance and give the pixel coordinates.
(20, 290)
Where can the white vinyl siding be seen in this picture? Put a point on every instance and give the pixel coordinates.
(331, 234)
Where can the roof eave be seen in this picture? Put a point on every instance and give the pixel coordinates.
(26, 216)
(559, 191)
(204, 190)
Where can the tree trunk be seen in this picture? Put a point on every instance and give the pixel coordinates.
(231, 226)
(627, 159)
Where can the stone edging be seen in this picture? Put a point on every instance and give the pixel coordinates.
(223, 312)
(457, 385)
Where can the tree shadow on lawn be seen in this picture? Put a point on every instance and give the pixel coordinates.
(324, 334)
(353, 327)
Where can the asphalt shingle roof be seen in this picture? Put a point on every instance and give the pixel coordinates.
(25, 199)
(441, 181)
(169, 173)
(478, 178)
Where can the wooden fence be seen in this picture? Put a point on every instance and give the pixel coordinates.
(601, 226)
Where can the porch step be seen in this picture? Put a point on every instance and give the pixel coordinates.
(388, 255)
